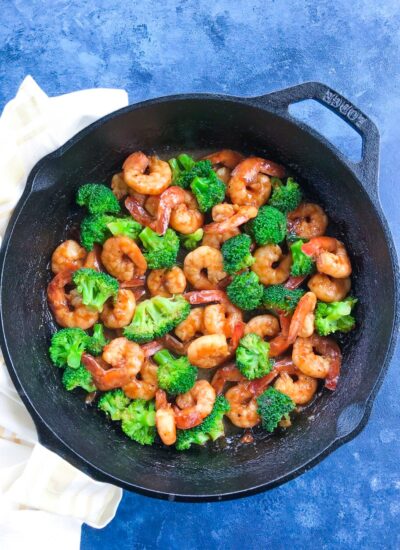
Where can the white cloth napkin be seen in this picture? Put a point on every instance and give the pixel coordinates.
(43, 499)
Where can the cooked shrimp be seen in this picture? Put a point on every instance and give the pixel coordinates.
(118, 186)
(118, 313)
(301, 391)
(165, 419)
(250, 184)
(266, 258)
(221, 318)
(166, 282)
(153, 183)
(194, 405)
(66, 313)
(126, 359)
(311, 364)
(263, 325)
(330, 255)
(221, 212)
(145, 387)
(243, 411)
(228, 373)
(225, 157)
(303, 318)
(151, 204)
(307, 221)
(123, 258)
(241, 216)
(215, 240)
(192, 325)
(203, 268)
(208, 351)
(68, 255)
(328, 289)
(139, 213)
(224, 162)
(93, 258)
(185, 216)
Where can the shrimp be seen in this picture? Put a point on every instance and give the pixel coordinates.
(194, 405)
(118, 186)
(66, 313)
(330, 255)
(243, 412)
(224, 162)
(215, 240)
(302, 323)
(204, 259)
(192, 325)
(241, 216)
(266, 257)
(307, 221)
(118, 313)
(123, 258)
(208, 351)
(221, 212)
(153, 183)
(250, 184)
(165, 419)
(166, 282)
(125, 358)
(221, 318)
(138, 213)
(185, 216)
(145, 387)
(229, 373)
(301, 391)
(328, 289)
(93, 260)
(263, 325)
(68, 255)
(324, 365)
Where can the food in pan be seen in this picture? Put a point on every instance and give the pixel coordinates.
(202, 294)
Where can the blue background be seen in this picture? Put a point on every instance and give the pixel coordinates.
(152, 48)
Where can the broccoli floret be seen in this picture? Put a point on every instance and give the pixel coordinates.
(191, 241)
(211, 428)
(78, 378)
(161, 250)
(124, 226)
(94, 229)
(273, 405)
(67, 346)
(174, 375)
(301, 263)
(279, 298)
(98, 199)
(335, 317)
(139, 420)
(245, 291)
(97, 341)
(183, 163)
(236, 254)
(113, 403)
(209, 190)
(252, 356)
(268, 227)
(285, 197)
(155, 317)
(95, 287)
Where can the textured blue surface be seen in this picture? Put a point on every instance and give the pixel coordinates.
(152, 48)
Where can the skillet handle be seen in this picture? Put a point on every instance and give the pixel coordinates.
(368, 167)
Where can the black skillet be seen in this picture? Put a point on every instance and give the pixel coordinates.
(196, 123)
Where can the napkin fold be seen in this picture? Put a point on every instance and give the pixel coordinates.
(43, 499)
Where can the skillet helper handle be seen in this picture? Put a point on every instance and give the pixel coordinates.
(367, 168)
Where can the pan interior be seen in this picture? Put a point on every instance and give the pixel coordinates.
(195, 126)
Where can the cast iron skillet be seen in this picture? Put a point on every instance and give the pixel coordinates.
(260, 125)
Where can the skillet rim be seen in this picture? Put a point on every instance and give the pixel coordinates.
(51, 440)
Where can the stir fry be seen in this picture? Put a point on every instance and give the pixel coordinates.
(200, 291)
